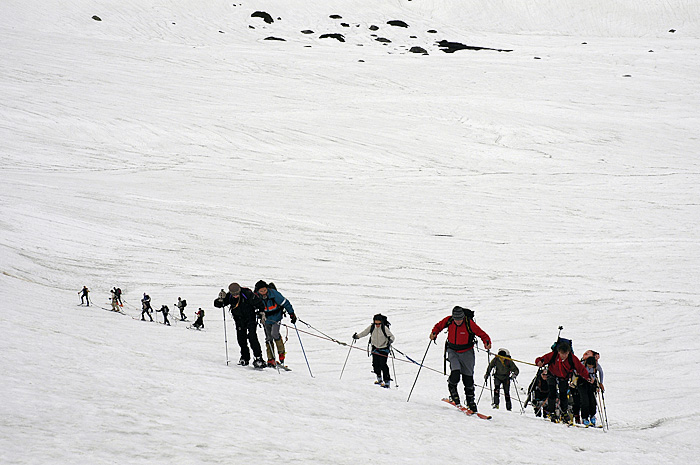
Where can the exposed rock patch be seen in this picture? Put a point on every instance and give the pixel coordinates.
(420, 50)
(451, 47)
(336, 36)
(97, 18)
(264, 16)
(397, 23)
(307, 31)
(275, 38)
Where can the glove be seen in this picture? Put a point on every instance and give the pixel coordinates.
(486, 377)
(218, 303)
(355, 336)
(293, 317)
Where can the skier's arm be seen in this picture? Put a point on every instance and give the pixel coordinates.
(481, 333)
(544, 360)
(580, 369)
(364, 332)
(442, 324)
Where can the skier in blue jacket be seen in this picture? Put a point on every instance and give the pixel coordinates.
(275, 305)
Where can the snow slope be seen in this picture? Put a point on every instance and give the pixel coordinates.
(170, 149)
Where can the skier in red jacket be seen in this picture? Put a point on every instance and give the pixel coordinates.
(461, 334)
(561, 365)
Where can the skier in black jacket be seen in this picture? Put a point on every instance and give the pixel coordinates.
(245, 308)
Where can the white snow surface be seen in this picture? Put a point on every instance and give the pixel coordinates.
(169, 149)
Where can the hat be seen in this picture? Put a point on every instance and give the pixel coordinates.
(259, 285)
(234, 288)
(591, 360)
(503, 353)
(458, 313)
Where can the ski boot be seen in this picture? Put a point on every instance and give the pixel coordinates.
(271, 363)
(495, 406)
(454, 395)
(577, 419)
(586, 422)
(387, 384)
(243, 362)
(259, 363)
(593, 420)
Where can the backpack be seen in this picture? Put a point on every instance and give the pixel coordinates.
(184, 303)
(554, 349)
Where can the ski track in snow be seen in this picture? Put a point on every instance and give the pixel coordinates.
(153, 152)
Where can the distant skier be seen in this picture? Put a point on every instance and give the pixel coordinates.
(274, 304)
(84, 298)
(146, 307)
(181, 304)
(504, 369)
(118, 293)
(114, 301)
(165, 311)
(199, 322)
(561, 364)
(245, 308)
(381, 338)
(461, 332)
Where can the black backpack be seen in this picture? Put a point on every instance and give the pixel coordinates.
(184, 303)
(554, 349)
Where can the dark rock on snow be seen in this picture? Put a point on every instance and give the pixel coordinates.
(264, 16)
(432, 31)
(451, 47)
(418, 50)
(338, 37)
(373, 28)
(307, 31)
(274, 38)
(345, 24)
(335, 17)
(383, 40)
(397, 23)
(97, 18)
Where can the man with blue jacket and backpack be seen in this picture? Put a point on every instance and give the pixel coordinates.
(274, 307)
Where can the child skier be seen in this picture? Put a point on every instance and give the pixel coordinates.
(561, 364)
(380, 338)
(587, 391)
(504, 369)
(165, 310)
(461, 332)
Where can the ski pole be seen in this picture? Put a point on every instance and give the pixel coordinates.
(223, 310)
(303, 351)
(346, 359)
(419, 368)
(483, 386)
(522, 408)
(488, 354)
(393, 366)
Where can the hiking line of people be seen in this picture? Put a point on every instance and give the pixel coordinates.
(565, 389)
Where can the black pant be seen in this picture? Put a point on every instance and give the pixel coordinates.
(146, 311)
(497, 383)
(588, 404)
(453, 381)
(86, 298)
(165, 319)
(379, 363)
(563, 384)
(247, 330)
(199, 323)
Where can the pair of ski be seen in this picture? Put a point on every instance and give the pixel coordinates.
(279, 365)
(466, 410)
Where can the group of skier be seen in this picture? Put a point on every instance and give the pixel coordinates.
(560, 376)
